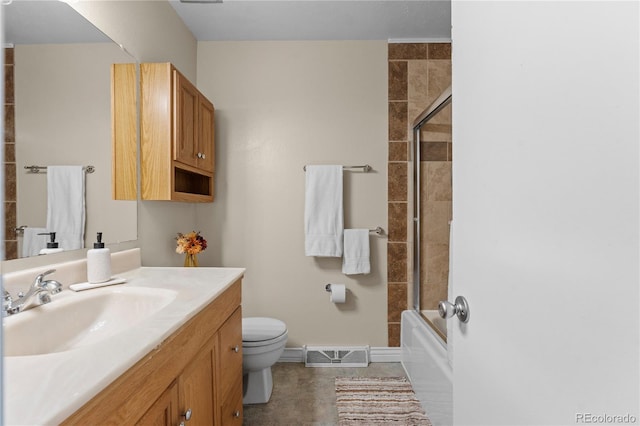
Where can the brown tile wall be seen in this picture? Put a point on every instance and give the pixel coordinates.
(10, 244)
(418, 73)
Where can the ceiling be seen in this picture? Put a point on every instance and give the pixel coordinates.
(31, 21)
(34, 22)
(317, 19)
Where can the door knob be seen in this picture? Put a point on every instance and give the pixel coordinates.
(460, 308)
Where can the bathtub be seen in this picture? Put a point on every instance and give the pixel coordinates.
(424, 358)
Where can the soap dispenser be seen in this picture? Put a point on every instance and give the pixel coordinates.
(98, 262)
(52, 245)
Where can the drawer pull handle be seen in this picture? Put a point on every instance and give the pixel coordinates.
(187, 415)
(236, 414)
(236, 349)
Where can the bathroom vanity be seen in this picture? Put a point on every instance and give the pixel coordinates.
(178, 360)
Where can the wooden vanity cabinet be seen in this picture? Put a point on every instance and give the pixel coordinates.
(193, 392)
(163, 412)
(198, 368)
(213, 373)
(229, 369)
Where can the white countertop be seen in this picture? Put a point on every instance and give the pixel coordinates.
(46, 389)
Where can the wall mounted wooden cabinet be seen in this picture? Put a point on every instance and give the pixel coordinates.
(193, 138)
(177, 145)
(176, 137)
(124, 133)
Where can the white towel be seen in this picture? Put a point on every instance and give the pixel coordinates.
(356, 252)
(323, 219)
(32, 243)
(66, 206)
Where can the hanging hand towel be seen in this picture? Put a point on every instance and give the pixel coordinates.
(66, 206)
(323, 219)
(32, 243)
(356, 252)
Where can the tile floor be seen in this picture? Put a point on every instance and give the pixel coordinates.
(305, 396)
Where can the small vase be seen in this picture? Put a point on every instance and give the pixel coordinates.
(190, 260)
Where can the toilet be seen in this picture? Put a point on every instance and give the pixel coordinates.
(263, 342)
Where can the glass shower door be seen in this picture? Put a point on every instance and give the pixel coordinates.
(432, 209)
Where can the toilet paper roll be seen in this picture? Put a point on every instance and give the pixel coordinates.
(338, 293)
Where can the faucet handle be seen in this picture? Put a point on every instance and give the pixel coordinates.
(49, 272)
(42, 275)
(7, 301)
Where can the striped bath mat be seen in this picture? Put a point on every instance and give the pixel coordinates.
(378, 401)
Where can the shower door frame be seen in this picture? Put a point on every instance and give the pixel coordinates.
(440, 103)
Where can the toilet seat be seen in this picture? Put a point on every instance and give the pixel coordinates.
(263, 343)
(261, 330)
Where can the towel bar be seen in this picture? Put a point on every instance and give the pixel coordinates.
(377, 231)
(366, 168)
(36, 169)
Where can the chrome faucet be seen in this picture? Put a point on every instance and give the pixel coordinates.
(39, 294)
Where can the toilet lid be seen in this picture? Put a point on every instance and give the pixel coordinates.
(257, 329)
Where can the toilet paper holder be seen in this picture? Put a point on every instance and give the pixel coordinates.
(338, 293)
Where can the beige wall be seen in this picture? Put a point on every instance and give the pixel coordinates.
(62, 117)
(279, 106)
(152, 32)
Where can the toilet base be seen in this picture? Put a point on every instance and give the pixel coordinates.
(257, 386)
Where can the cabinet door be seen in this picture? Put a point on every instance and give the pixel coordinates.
(231, 407)
(186, 105)
(197, 388)
(163, 412)
(230, 368)
(206, 135)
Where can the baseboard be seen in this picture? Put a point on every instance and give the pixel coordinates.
(377, 354)
(292, 355)
(386, 354)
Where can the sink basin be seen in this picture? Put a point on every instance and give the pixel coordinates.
(73, 320)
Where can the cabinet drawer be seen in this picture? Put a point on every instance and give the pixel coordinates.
(231, 352)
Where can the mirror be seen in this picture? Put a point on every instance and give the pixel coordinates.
(62, 104)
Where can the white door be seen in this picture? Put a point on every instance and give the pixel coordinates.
(545, 185)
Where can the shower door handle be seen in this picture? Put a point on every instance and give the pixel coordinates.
(460, 308)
